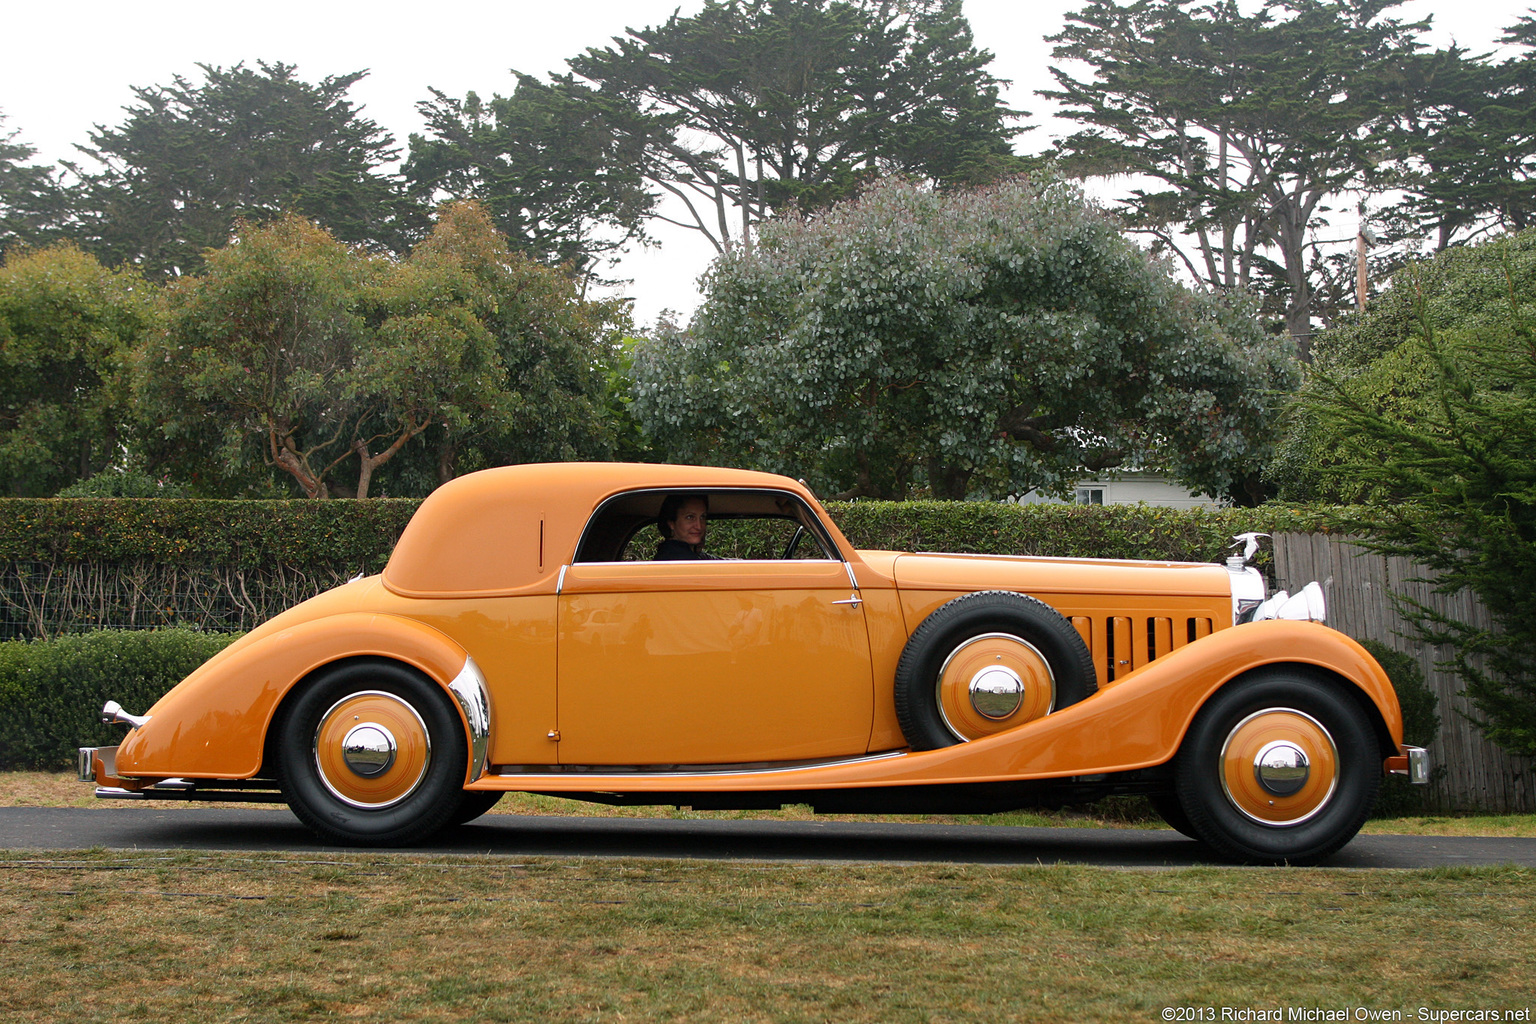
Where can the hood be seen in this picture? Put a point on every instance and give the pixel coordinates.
(1041, 576)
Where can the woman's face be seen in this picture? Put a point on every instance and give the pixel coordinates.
(691, 524)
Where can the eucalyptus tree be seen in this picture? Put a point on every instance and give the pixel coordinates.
(337, 372)
(67, 325)
(983, 342)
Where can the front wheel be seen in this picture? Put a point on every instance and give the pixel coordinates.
(372, 753)
(1279, 767)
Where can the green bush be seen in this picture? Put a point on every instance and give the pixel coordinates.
(1421, 721)
(51, 692)
(356, 535)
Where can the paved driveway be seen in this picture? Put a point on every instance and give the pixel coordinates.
(201, 828)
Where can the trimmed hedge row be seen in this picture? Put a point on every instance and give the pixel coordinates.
(72, 565)
(51, 692)
(358, 535)
(350, 535)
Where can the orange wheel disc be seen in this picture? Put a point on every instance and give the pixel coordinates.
(1279, 767)
(372, 749)
(993, 682)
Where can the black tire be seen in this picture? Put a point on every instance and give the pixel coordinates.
(1051, 663)
(1171, 811)
(374, 705)
(1305, 811)
(475, 803)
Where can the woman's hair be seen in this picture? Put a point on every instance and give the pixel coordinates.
(671, 505)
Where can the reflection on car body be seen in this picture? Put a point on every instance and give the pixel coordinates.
(521, 638)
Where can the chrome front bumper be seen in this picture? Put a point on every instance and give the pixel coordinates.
(1413, 762)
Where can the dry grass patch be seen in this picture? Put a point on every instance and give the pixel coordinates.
(126, 937)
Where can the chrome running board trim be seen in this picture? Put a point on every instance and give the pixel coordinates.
(689, 771)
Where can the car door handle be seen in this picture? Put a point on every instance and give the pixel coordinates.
(855, 600)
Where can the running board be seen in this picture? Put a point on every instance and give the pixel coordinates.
(229, 791)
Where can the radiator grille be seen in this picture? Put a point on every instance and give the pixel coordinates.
(1122, 644)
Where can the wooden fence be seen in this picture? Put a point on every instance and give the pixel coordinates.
(1360, 587)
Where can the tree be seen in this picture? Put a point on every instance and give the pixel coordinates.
(519, 355)
(66, 326)
(984, 342)
(31, 199)
(1464, 290)
(192, 159)
(1448, 460)
(1253, 125)
(560, 170)
(260, 348)
(345, 371)
(757, 106)
(1470, 135)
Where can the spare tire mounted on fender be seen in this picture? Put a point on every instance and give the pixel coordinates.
(987, 662)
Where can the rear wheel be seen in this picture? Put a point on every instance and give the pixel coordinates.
(1280, 766)
(1171, 811)
(372, 753)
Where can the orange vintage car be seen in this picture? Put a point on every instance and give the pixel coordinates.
(566, 629)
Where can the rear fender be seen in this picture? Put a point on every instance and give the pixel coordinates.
(214, 723)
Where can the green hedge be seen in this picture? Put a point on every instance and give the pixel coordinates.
(355, 535)
(1070, 531)
(359, 534)
(51, 692)
(73, 565)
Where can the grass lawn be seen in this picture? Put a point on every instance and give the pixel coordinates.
(126, 936)
(109, 936)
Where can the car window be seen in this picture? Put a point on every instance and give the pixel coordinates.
(742, 525)
(739, 537)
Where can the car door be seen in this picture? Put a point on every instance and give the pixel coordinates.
(711, 662)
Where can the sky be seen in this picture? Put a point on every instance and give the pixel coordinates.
(71, 66)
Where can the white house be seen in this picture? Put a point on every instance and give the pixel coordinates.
(1127, 488)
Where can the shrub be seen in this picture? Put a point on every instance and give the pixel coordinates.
(51, 692)
(1421, 720)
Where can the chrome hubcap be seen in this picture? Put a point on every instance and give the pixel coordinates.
(1282, 768)
(369, 749)
(996, 692)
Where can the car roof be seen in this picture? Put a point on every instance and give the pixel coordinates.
(508, 530)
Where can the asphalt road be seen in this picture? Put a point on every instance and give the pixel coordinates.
(141, 827)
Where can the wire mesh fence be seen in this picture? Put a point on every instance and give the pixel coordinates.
(39, 601)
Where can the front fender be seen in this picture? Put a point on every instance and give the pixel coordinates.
(213, 724)
(1138, 721)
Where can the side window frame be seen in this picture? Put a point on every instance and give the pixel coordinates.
(597, 527)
